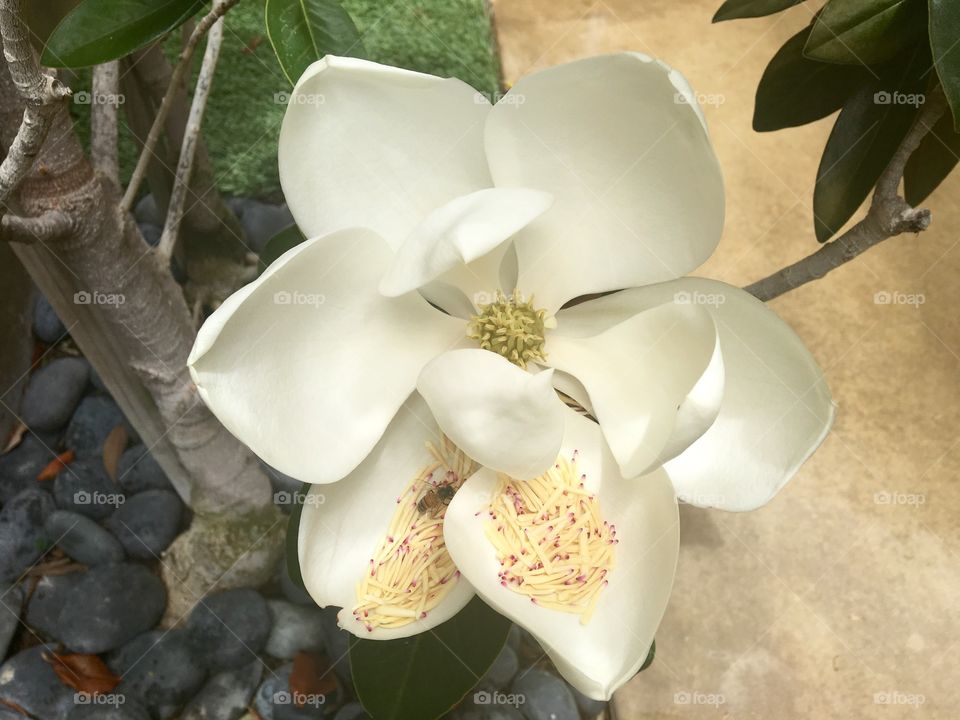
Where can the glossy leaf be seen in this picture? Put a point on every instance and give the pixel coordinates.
(651, 654)
(932, 161)
(865, 32)
(944, 36)
(735, 9)
(868, 131)
(425, 675)
(98, 31)
(276, 246)
(303, 31)
(795, 90)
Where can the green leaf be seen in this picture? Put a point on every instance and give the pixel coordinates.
(795, 90)
(944, 37)
(651, 654)
(425, 675)
(735, 9)
(98, 31)
(868, 131)
(932, 161)
(303, 31)
(290, 541)
(865, 32)
(276, 246)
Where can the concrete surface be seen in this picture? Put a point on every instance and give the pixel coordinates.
(840, 599)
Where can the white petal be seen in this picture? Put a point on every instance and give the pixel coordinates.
(639, 193)
(310, 363)
(501, 416)
(776, 407)
(459, 232)
(366, 145)
(344, 523)
(599, 657)
(637, 374)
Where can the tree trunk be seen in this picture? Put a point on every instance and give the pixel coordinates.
(128, 315)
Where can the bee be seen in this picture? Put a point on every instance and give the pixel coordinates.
(435, 499)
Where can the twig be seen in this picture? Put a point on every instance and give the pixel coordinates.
(51, 225)
(183, 64)
(188, 150)
(104, 100)
(43, 93)
(889, 215)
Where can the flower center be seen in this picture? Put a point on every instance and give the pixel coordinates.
(411, 570)
(550, 540)
(510, 326)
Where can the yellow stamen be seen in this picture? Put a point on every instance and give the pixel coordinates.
(511, 327)
(551, 541)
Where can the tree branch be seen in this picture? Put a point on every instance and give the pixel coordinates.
(52, 225)
(188, 149)
(104, 99)
(183, 63)
(43, 93)
(889, 215)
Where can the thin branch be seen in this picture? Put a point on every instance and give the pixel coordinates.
(889, 215)
(104, 99)
(183, 64)
(51, 225)
(188, 150)
(44, 95)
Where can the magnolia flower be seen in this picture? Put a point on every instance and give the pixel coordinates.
(414, 353)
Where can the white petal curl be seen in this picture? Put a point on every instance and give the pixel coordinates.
(308, 364)
(367, 145)
(621, 144)
(501, 416)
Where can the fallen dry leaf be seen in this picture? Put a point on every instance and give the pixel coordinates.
(113, 448)
(16, 437)
(312, 675)
(54, 467)
(84, 673)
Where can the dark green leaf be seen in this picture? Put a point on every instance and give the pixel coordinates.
(425, 675)
(293, 530)
(795, 90)
(932, 161)
(303, 31)
(865, 32)
(98, 31)
(277, 245)
(651, 654)
(944, 37)
(734, 9)
(868, 131)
